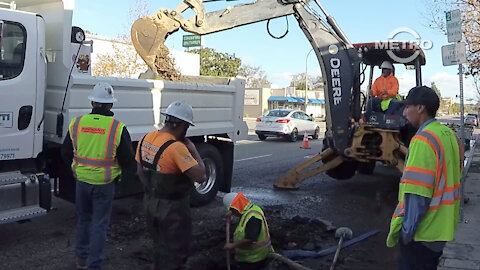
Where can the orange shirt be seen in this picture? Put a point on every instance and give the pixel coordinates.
(175, 159)
(385, 88)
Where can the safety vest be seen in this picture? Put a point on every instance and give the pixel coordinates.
(428, 174)
(95, 140)
(385, 103)
(258, 250)
(160, 185)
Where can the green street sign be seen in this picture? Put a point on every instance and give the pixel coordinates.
(192, 41)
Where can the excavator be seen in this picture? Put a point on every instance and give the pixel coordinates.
(353, 142)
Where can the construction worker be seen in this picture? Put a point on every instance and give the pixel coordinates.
(168, 164)
(100, 149)
(429, 196)
(251, 239)
(385, 91)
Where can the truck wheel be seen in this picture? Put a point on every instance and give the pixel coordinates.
(366, 168)
(344, 171)
(294, 135)
(205, 192)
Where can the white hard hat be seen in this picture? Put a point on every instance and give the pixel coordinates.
(387, 65)
(228, 199)
(102, 93)
(180, 110)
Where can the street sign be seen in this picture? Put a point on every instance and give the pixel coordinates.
(454, 54)
(192, 41)
(454, 25)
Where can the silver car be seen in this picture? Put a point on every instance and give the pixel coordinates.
(286, 123)
(471, 120)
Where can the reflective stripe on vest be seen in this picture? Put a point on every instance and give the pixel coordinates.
(109, 161)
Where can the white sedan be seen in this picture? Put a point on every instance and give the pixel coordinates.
(286, 123)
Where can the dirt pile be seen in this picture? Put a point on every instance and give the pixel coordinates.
(207, 251)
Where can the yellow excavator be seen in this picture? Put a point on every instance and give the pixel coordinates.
(353, 141)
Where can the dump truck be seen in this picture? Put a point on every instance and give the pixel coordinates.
(45, 78)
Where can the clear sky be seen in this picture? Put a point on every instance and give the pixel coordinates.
(362, 21)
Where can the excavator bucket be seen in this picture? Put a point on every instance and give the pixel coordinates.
(148, 37)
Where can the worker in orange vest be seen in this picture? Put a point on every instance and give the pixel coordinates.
(385, 96)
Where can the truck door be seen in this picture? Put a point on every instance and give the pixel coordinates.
(18, 82)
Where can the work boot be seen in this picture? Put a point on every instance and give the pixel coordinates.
(81, 264)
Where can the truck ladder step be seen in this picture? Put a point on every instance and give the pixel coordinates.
(23, 213)
(12, 178)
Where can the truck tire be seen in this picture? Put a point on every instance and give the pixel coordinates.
(366, 168)
(346, 170)
(205, 192)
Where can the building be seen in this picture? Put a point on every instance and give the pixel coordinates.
(258, 101)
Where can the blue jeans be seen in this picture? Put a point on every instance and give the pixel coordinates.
(416, 256)
(93, 204)
(374, 105)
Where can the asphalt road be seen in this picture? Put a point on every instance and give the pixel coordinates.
(363, 203)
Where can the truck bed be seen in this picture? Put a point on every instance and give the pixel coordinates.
(217, 106)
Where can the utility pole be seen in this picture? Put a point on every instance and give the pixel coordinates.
(306, 79)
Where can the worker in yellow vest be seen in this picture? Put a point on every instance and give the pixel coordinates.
(99, 148)
(428, 207)
(251, 239)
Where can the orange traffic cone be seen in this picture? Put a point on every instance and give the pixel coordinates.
(305, 144)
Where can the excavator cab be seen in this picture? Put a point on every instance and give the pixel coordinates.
(373, 55)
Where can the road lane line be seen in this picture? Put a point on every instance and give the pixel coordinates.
(243, 159)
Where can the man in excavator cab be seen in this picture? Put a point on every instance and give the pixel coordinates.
(385, 92)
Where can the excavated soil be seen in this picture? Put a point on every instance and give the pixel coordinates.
(207, 251)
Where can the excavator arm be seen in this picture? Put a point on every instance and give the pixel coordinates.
(339, 60)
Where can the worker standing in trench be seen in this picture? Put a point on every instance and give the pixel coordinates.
(427, 213)
(251, 239)
(99, 149)
(168, 163)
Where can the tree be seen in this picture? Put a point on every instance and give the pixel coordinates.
(124, 62)
(439, 94)
(255, 77)
(298, 81)
(213, 63)
(471, 29)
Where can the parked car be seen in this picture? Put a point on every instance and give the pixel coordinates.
(286, 123)
(471, 120)
(475, 116)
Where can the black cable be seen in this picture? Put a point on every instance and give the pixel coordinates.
(280, 37)
(70, 76)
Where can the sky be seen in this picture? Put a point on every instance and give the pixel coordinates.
(362, 21)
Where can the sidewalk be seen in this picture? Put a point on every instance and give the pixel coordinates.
(464, 251)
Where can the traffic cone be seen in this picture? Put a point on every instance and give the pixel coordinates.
(305, 144)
